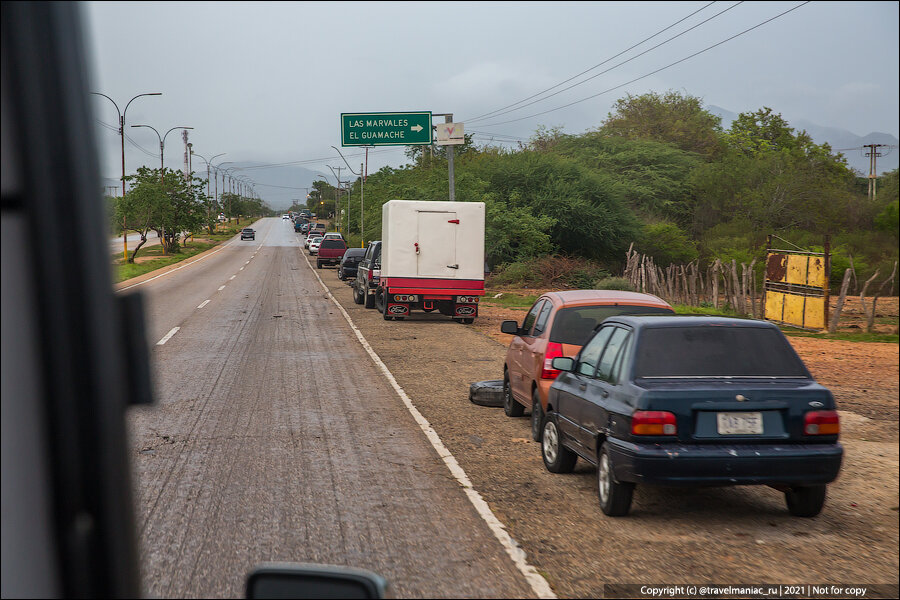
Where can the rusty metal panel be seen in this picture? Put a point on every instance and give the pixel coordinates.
(776, 266)
(797, 269)
(796, 288)
(814, 314)
(775, 306)
(817, 275)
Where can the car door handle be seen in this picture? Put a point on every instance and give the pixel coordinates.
(452, 266)
(604, 393)
(582, 386)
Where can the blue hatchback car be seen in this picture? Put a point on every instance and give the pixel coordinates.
(692, 401)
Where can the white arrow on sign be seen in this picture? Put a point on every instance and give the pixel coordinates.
(416, 128)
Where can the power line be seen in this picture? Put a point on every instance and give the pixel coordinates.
(503, 110)
(648, 74)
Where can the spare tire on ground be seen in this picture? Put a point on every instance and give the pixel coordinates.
(487, 393)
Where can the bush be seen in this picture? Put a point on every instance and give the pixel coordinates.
(668, 244)
(614, 283)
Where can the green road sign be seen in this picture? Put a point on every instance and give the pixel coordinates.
(385, 129)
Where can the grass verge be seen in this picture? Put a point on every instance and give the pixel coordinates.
(123, 271)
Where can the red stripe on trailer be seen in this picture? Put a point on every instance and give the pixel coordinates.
(462, 287)
(433, 293)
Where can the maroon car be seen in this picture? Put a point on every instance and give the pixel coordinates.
(331, 251)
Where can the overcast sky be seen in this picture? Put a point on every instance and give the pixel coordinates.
(266, 82)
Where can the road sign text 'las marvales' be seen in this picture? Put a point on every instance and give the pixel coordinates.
(386, 128)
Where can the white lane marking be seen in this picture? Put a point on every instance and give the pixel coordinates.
(232, 277)
(247, 263)
(168, 336)
(221, 287)
(241, 269)
(537, 582)
(204, 303)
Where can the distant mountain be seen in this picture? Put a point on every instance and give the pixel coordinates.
(838, 139)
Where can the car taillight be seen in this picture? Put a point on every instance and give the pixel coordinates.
(554, 350)
(653, 422)
(821, 422)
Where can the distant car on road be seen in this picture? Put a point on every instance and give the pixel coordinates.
(285, 217)
(248, 233)
(558, 324)
(334, 235)
(349, 263)
(692, 401)
(314, 243)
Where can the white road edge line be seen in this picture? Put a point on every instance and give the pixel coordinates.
(538, 584)
(232, 277)
(168, 336)
(204, 303)
(178, 268)
(221, 287)
(241, 269)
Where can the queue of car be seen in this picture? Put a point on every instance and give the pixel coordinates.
(615, 379)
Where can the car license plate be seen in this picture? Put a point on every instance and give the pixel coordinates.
(743, 423)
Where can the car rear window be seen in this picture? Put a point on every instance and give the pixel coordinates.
(333, 243)
(716, 351)
(576, 324)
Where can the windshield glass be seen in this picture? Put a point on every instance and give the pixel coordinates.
(576, 324)
(711, 351)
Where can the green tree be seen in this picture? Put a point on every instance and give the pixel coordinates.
(514, 233)
(139, 209)
(671, 118)
(667, 244)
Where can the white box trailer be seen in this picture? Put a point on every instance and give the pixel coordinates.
(432, 258)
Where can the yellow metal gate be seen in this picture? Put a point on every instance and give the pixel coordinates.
(796, 287)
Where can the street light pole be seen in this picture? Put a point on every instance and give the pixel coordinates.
(162, 146)
(208, 225)
(122, 138)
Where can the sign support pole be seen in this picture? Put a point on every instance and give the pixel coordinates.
(449, 119)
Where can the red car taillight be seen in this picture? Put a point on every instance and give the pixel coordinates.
(821, 422)
(653, 422)
(554, 350)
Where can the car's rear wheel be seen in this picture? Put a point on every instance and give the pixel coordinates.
(537, 417)
(357, 297)
(318, 264)
(510, 406)
(615, 497)
(370, 299)
(805, 501)
(557, 458)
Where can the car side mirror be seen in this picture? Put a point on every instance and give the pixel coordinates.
(313, 581)
(563, 363)
(510, 327)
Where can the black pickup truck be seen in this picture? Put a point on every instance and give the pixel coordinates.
(368, 274)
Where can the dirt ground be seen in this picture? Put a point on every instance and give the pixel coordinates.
(672, 536)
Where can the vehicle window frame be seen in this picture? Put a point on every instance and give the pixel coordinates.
(610, 377)
(540, 323)
(535, 311)
(587, 346)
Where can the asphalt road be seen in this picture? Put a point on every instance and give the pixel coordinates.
(276, 438)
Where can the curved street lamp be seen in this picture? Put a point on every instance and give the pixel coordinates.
(162, 146)
(122, 114)
(208, 227)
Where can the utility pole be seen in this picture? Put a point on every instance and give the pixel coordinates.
(873, 155)
(450, 153)
(184, 137)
